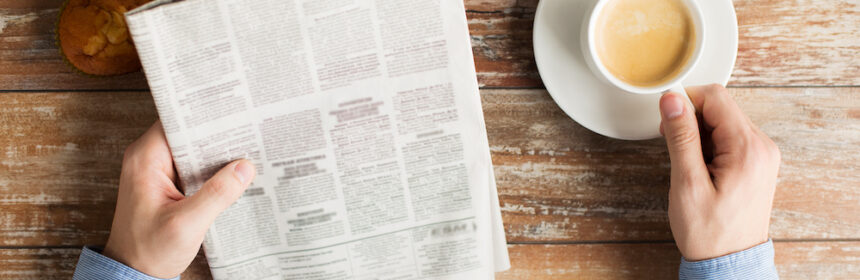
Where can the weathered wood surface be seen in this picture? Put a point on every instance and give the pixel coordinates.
(60, 161)
(30, 59)
(558, 182)
(576, 205)
(795, 260)
(797, 43)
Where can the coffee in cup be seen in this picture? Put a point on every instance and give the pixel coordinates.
(644, 42)
(643, 46)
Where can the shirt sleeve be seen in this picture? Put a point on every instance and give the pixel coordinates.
(753, 263)
(93, 265)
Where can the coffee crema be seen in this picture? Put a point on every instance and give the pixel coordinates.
(645, 42)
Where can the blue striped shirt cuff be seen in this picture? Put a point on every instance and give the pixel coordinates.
(753, 263)
(93, 265)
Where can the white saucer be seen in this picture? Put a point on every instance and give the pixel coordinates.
(603, 108)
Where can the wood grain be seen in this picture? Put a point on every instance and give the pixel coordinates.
(30, 59)
(781, 42)
(796, 43)
(558, 182)
(795, 260)
(60, 156)
(576, 205)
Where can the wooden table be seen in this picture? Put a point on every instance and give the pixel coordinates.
(575, 204)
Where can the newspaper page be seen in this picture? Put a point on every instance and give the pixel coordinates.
(362, 117)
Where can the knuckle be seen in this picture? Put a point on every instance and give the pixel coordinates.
(760, 151)
(717, 89)
(754, 149)
(684, 137)
(772, 150)
(696, 193)
(690, 183)
(777, 154)
(690, 189)
(174, 224)
(137, 153)
(139, 183)
(129, 152)
(217, 188)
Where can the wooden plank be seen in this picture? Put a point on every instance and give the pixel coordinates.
(810, 42)
(38, 263)
(502, 44)
(30, 59)
(557, 181)
(798, 43)
(592, 261)
(60, 157)
(795, 260)
(807, 42)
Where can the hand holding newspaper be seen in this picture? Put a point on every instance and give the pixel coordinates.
(363, 118)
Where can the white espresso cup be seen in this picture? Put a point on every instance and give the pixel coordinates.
(589, 50)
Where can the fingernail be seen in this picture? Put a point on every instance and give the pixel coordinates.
(671, 106)
(244, 170)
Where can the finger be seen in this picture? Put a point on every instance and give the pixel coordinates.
(681, 131)
(147, 168)
(150, 151)
(729, 129)
(719, 110)
(705, 136)
(219, 192)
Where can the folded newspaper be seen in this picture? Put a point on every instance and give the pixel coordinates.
(363, 118)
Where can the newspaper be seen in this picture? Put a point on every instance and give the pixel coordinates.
(363, 119)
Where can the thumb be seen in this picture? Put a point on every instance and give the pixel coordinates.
(219, 192)
(681, 130)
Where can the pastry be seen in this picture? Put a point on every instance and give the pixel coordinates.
(93, 36)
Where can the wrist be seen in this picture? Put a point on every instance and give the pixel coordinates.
(142, 261)
(752, 263)
(717, 251)
(114, 253)
(120, 255)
